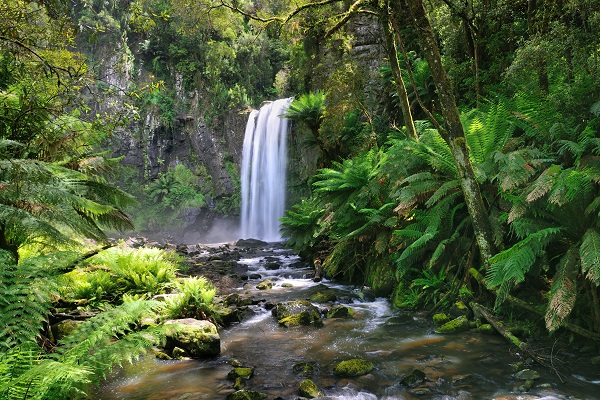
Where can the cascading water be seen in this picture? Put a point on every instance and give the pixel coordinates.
(263, 177)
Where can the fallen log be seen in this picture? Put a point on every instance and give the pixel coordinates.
(520, 303)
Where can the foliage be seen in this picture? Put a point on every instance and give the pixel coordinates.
(193, 299)
(177, 188)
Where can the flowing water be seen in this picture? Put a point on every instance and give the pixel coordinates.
(463, 366)
(263, 174)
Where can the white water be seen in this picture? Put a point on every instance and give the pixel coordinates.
(263, 177)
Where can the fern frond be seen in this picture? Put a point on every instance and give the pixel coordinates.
(543, 184)
(563, 291)
(589, 252)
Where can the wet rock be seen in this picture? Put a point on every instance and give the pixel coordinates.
(459, 324)
(527, 374)
(246, 395)
(198, 338)
(353, 367)
(486, 329)
(265, 285)
(595, 360)
(255, 276)
(341, 311)
(323, 296)
(459, 309)
(307, 317)
(251, 243)
(234, 299)
(413, 378)
(282, 310)
(304, 369)
(229, 315)
(440, 319)
(309, 389)
(240, 372)
(272, 266)
(179, 354)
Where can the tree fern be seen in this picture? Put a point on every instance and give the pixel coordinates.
(563, 291)
(589, 253)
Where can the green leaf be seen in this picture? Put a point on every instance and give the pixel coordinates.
(589, 251)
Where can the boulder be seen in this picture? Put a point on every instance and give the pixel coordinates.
(353, 367)
(299, 312)
(304, 369)
(340, 311)
(413, 378)
(251, 243)
(64, 328)
(309, 389)
(460, 309)
(265, 285)
(440, 319)
(303, 318)
(323, 296)
(246, 395)
(459, 324)
(197, 337)
(240, 372)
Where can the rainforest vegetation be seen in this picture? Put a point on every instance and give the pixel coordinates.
(460, 161)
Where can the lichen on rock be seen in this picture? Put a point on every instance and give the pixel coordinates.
(353, 367)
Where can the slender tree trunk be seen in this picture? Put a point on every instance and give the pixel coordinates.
(398, 81)
(453, 132)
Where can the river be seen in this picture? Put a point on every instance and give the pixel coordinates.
(460, 366)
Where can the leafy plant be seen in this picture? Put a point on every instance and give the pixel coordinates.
(193, 299)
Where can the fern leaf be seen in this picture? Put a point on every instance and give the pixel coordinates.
(563, 291)
(589, 252)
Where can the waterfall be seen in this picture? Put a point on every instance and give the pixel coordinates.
(263, 176)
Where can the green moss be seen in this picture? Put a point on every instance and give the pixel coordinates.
(486, 328)
(440, 319)
(309, 389)
(303, 318)
(341, 311)
(459, 324)
(240, 372)
(246, 395)
(353, 367)
(323, 297)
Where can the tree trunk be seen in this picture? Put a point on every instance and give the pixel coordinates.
(453, 132)
(398, 81)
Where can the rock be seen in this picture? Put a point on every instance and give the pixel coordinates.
(323, 296)
(265, 285)
(459, 324)
(64, 328)
(309, 389)
(178, 353)
(253, 243)
(229, 315)
(198, 338)
(307, 317)
(353, 367)
(413, 378)
(459, 309)
(282, 310)
(340, 311)
(440, 319)
(240, 372)
(239, 383)
(246, 395)
(486, 329)
(272, 266)
(595, 360)
(304, 369)
(527, 374)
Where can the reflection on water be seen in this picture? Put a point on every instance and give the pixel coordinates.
(464, 366)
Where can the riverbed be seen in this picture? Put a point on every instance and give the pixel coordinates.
(460, 366)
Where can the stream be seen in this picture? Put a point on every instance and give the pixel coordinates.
(459, 366)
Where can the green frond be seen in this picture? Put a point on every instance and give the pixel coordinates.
(447, 187)
(563, 291)
(543, 184)
(589, 252)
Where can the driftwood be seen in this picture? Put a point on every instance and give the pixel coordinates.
(520, 303)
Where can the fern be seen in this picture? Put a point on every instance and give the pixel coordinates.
(563, 291)
(589, 252)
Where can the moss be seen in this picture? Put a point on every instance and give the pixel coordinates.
(309, 389)
(323, 297)
(304, 368)
(440, 319)
(240, 372)
(486, 329)
(353, 367)
(341, 311)
(459, 324)
(246, 395)
(265, 285)
(303, 318)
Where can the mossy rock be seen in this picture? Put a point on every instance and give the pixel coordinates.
(304, 369)
(595, 360)
(527, 374)
(239, 383)
(282, 310)
(457, 325)
(64, 328)
(246, 395)
(440, 319)
(265, 285)
(486, 329)
(240, 372)
(340, 311)
(353, 367)
(413, 378)
(459, 309)
(179, 354)
(304, 318)
(198, 338)
(309, 389)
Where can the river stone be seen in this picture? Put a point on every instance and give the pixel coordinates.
(323, 296)
(413, 378)
(246, 395)
(306, 317)
(340, 311)
(486, 329)
(240, 372)
(250, 243)
(265, 285)
(272, 266)
(304, 369)
(527, 374)
(282, 310)
(199, 338)
(309, 389)
(459, 309)
(234, 299)
(459, 324)
(353, 367)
